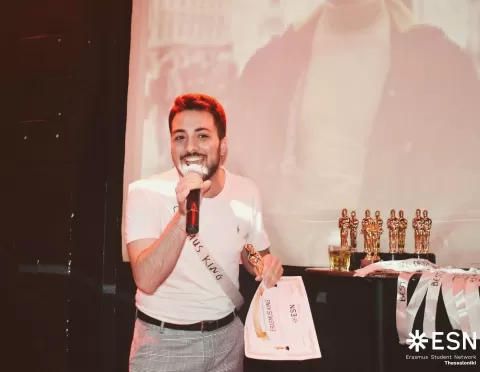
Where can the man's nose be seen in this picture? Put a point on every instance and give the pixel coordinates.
(191, 145)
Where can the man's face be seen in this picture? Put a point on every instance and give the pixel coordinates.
(194, 140)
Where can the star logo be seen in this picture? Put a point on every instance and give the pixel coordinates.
(417, 340)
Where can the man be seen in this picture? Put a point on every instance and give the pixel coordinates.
(358, 107)
(186, 320)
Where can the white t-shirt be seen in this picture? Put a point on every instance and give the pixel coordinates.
(343, 89)
(227, 222)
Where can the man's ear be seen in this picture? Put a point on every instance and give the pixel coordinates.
(223, 146)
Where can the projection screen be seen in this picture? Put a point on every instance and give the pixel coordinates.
(357, 104)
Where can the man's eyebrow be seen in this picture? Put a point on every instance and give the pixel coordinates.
(196, 130)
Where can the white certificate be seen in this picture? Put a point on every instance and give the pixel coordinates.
(279, 323)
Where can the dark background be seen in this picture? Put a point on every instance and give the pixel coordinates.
(63, 84)
(68, 299)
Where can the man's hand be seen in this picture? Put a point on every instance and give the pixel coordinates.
(272, 270)
(190, 181)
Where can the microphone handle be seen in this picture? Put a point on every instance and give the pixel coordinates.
(193, 212)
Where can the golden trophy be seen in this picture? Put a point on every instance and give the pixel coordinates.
(427, 227)
(393, 225)
(254, 258)
(417, 225)
(375, 232)
(369, 238)
(344, 225)
(367, 234)
(402, 231)
(378, 230)
(353, 231)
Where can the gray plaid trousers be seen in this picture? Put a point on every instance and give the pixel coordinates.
(157, 349)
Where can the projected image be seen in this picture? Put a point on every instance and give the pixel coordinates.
(330, 104)
(359, 107)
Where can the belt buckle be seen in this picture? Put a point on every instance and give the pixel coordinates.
(203, 324)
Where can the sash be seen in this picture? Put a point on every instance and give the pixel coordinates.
(472, 302)
(449, 300)
(431, 302)
(459, 295)
(409, 265)
(417, 299)
(220, 275)
(401, 314)
(459, 290)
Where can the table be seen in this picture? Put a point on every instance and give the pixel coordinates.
(355, 322)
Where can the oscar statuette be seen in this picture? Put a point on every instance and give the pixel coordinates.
(353, 231)
(402, 231)
(344, 225)
(417, 225)
(368, 236)
(393, 226)
(255, 259)
(427, 227)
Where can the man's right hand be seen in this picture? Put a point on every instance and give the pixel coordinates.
(190, 181)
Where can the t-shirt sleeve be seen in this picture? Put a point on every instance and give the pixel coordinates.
(257, 236)
(146, 216)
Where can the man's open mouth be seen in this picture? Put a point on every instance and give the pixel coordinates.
(193, 159)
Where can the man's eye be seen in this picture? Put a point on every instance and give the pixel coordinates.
(203, 135)
(179, 138)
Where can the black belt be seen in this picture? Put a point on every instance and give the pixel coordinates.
(206, 325)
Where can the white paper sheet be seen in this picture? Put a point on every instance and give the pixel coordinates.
(279, 323)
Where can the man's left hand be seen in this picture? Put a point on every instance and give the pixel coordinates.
(272, 270)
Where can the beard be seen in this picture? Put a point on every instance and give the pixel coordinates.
(207, 170)
(212, 169)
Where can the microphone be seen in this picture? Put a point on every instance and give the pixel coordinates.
(193, 211)
(193, 204)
